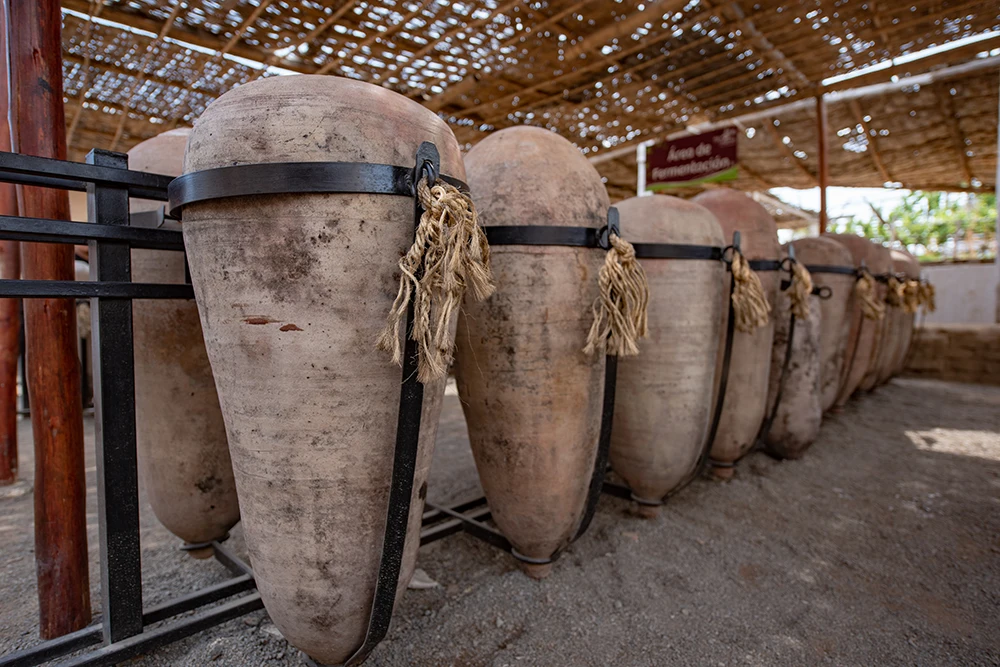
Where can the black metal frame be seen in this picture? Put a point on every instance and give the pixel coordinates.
(125, 629)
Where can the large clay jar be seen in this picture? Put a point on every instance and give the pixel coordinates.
(181, 437)
(746, 397)
(881, 264)
(906, 264)
(532, 397)
(293, 291)
(663, 399)
(862, 335)
(794, 402)
(834, 311)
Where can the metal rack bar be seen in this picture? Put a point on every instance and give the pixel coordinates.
(65, 175)
(114, 414)
(43, 230)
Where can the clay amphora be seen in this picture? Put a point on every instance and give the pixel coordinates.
(293, 291)
(532, 397)
(180, 433)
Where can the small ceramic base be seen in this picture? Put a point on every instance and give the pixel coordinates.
(722, 473)
(536, 572)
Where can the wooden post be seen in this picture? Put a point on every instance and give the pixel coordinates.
(10, 309)
(823, 173)
(53, 366)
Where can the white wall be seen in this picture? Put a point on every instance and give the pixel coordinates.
(964, 293)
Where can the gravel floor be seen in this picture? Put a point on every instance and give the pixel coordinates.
(881, 546)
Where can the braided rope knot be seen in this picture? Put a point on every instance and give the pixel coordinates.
(927, 294)
(894, 292)
(749, 301)
(620, 309)
(911, 296)
(800, 290)
(864, 287)
(449, 255)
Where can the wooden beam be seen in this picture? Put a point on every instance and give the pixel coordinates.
(238, 33)
(53, 366)
(946, 108)
(755, 175)
(10, 309)
(139, 79)
(326, 24)
(375, 36)
(876, 156)
(788, 152)
(763, 44)
(185, 33)
(639, 67)
(474, 25)
(95, 11)
(623, 28)
(822, 132)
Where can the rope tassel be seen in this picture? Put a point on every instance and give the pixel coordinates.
(911, 296)
(749, 302)
(865, 289)
(927, 297)
(449, 255)
(620, 318)
(894, 294)
(800, 290)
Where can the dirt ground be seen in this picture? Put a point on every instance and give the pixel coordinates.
(881, 546)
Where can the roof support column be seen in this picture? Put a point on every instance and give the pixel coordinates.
(823, 172)
(39, 128)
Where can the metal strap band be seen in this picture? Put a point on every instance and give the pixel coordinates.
(727, 358)
(827, 268)
(155, 219)
(411, 396)
(766, 426)
(603, 444)
(579, 237)
(676, 251)
(282, 178)
(764, 264)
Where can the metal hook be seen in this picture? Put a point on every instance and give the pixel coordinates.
(613, 227)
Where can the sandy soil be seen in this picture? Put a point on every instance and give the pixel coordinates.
(881, 546)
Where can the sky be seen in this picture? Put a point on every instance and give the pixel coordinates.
(843, 201)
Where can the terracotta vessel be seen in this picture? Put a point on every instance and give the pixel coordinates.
(532, 397)
(663, 399)
(293, 291)
(863, 332)
(904, 263)
(181, 436)
(884, 328)
(746, 396)
(835, 320)
(799, 410)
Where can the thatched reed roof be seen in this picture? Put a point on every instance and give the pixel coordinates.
(604, 73)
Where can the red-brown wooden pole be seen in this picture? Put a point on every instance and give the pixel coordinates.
(53, 366)
(10, 309)
(824, 166)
